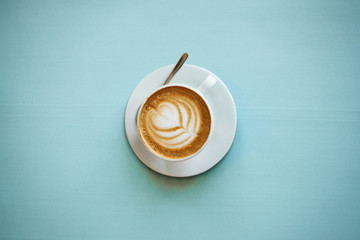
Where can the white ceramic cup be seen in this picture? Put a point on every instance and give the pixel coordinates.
(203, 87)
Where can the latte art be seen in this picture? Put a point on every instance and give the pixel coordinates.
(174, 122)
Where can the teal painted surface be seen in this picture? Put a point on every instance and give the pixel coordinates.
(67, 69)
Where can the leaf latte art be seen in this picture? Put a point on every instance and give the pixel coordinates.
(174, 122)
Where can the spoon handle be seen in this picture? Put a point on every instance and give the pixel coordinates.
(176, 68)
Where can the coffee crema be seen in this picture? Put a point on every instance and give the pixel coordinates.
(175, 122)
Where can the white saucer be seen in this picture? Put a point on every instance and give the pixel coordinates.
(224, 117)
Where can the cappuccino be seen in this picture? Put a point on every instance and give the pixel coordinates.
(174, 122)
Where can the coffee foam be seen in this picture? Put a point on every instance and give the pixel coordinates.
(175, 122)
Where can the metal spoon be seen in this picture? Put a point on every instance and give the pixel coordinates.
(176, 68)
(171, 75)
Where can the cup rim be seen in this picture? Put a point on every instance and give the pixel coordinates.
(211, 124)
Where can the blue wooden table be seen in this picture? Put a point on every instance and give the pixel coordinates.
(67, 69)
